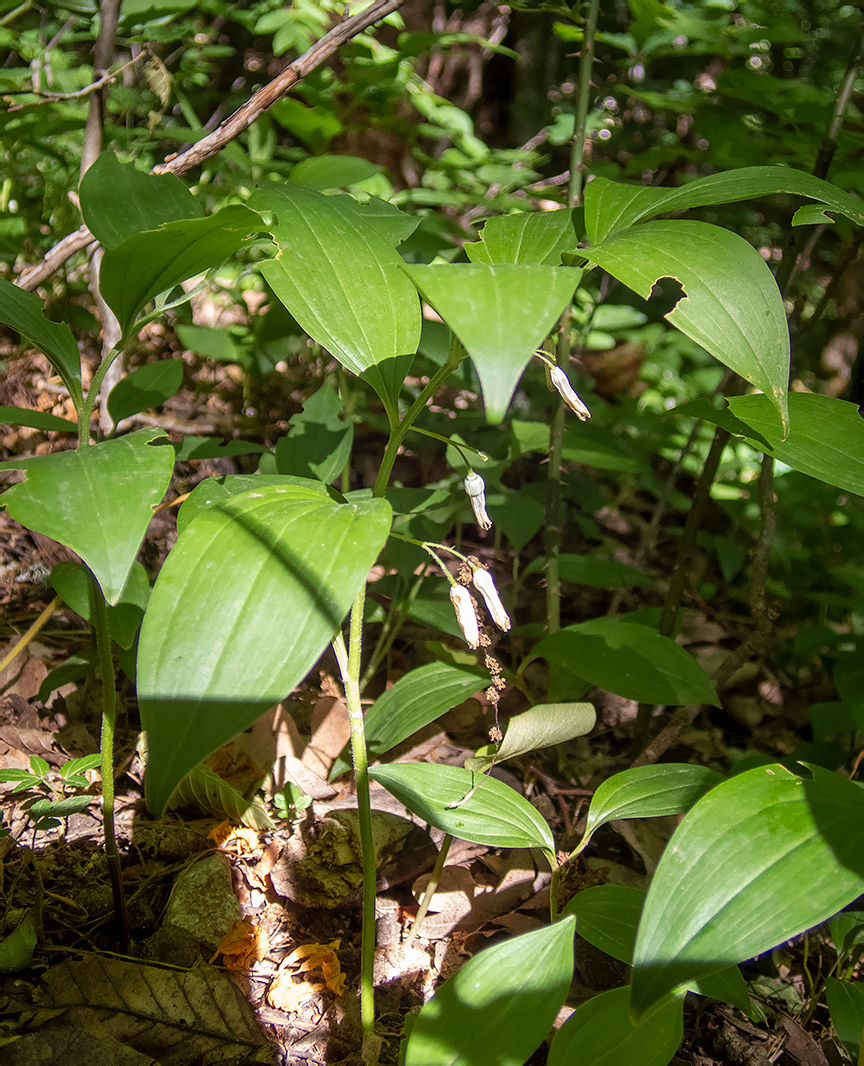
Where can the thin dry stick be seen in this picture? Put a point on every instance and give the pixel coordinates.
(232, 127)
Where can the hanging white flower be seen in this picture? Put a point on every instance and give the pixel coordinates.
(485, 585)
(466, 616)
(568, 394)
(476, 489)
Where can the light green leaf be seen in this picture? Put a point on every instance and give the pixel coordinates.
(592, 571)
(611, 206)
(71, 583)
(648, 792)
(212, 343)
(501, 314)
(319, 439)
(97, 500)
(20, 416)
(148, 386)
(206, 790)
(601, 1033)
(155, 261)
(332, 171)
(214, 490)
(118, 200)
(250, 596)
(630, 660)
(759, 859)
(543, 726)
(25, 313)
(537, 237)
(499, 1006)
(732, 305)
(467, 805)
(341, 280)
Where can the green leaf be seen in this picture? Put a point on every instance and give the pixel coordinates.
(589, 570)
(70, 582)
(251, 594)
(16, 950)
(62, 808)
(648, 792)
(543, 726)
(319, 439)
(216, 448)
(148, 386)
(630, 660)
(611, 206)
(212, 343)
(25, 313)
(155, 261)
(533, 237)
(467, 805)
(118, 200)
(215, 490)
(206, 790)
(499, 1006)
(732, 305)
(714, 902)
(97, 500)
(600, 1033)
(332, 171)
(20, 416)
(846, 1006)
(341, 280)
(501, 314)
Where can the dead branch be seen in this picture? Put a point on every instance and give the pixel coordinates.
(232, 127)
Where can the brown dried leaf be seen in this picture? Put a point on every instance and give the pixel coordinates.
(243, 944)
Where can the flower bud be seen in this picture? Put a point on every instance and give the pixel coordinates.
(568, 395)
(466, 616)
(485, 585)
(476, 489)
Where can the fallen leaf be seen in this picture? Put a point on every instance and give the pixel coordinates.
(243, 944)
(231, 838)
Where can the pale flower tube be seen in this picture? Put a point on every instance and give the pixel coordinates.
(466, 616)
(485, 585)
(568, 394)
(476, 489)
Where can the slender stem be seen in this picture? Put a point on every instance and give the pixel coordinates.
(90, 399)
(349, 666)
(99, 616)
(430, 891)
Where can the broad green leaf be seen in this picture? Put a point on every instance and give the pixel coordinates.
(415, 700)
(216, 448)
(70, 582)
(385, 218)
(499, 1006)
(630, 660)
(607, 916)
(601, 1033)
(341, 280)
(846, 1006)
(156, 260)
(319, 439)
(16, 950)
(118, 200)
(648, 792)
(542, 726)
(212, 343)
(25, 313)
(251, 594)
(501, 314)
(732, 305)
(611, 206)
(592, 571)
(20, 416)
(97, 500)
(214, 490)
(332, 171)
(148, 386)
(467, 805)
(537, 237)
(759, 859)
(206, 790)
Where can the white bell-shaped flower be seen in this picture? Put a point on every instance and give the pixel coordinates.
(568, 394)
(485, 585)
(475, 486)
(466, 616)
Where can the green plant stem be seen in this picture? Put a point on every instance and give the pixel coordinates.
(89, 400)
(349, 666)
(429, 892)
(397, 433)
(390, 631)
(99, 615)
(554, 522)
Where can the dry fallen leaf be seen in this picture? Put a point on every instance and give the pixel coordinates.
(233, 839)
(285, 993)
(243, 944)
